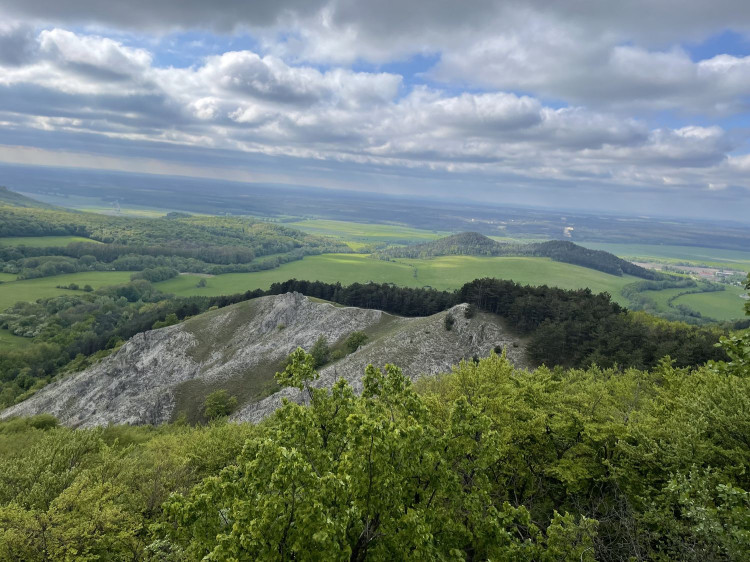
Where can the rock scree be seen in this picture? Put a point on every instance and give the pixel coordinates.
(243, 344)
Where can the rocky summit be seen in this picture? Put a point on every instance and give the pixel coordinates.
(161, 374)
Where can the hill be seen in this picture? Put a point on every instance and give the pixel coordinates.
(160, 374)
(476, 244)
(8, 197)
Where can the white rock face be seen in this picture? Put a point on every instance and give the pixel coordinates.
(138, 384)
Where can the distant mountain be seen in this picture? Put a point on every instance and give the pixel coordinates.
(476, 244)
(158, 375)
(8, 197)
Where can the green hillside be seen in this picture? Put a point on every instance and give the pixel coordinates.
(444, 273)
(8, 197)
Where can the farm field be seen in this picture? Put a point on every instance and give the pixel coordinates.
(358, 235)
(676, 254)
(722, 305)
(10, 341)
(44, 241)
(98, 205)
(33, 289)
(449, 272)
(5, 277)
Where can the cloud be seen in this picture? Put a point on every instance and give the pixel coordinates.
(243, 101)
(269, 78)
(523, 94)
(17, 44)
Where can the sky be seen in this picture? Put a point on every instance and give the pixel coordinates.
(636, 107)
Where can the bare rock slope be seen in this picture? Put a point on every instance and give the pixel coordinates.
(162, 372)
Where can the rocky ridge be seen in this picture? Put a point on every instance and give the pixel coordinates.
(242, 345)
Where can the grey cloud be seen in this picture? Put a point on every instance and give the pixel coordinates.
(164, 15)
(654, 21)
(17, 45)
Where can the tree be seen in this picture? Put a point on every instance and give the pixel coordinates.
(370, 477)
(170, 320)
(320, 352)
(201, 283)
(219, 404)
(355, 341)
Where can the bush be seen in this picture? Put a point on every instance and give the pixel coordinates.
(449, 321)
(170, 320)
(470, 311)
(355, 341)
(219, 404)
(320, 352)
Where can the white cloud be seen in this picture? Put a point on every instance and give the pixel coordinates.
(58, 81)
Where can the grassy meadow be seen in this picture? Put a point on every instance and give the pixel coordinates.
(33, 289)
(444, 273)
(721, 305)
(10, 341)
(358, 235)
(694, 255)
(44, 241)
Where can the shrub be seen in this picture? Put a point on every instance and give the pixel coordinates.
(170, 320)
(219, 404)
(355, 341)
(320, 352)
(449, 321)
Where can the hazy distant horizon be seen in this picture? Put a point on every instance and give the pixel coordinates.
(44, 179)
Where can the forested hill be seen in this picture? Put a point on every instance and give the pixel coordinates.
(475, 244)
(201, 244)
(8, 197)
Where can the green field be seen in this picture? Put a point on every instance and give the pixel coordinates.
(358, 235)
(98, 205)
(44, 241)
(675, 254)
(5, 277)
(721, 305)
(33, 289)
(449, 272)
(10, 341)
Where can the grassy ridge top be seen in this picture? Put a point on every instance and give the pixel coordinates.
(476, 244)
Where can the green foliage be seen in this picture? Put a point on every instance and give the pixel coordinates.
(487, 462)
(448, 322)
(320, 352)
(219, 404)
(170, 320)
(155, 274)
(299, 371)
(355, 341)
